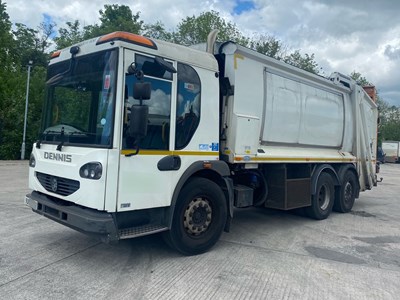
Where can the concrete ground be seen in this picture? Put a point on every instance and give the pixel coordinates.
(267, 255)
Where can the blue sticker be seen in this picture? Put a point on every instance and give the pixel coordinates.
(203, 147)
(215, 146)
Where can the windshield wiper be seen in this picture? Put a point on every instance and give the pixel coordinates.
(44, 136)
(62, 134)
(82, 133)
(59, 146)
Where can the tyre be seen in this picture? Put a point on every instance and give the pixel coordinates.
(199, 217)
(322, 201)
(347, 195)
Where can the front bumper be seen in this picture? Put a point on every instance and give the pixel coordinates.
(95, 223)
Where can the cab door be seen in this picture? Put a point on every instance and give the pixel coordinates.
(145, 178)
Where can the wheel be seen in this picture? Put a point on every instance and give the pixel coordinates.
(322, 201)
(199, 217)
(348, 190)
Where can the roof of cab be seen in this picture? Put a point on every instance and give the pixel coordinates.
(145, 45)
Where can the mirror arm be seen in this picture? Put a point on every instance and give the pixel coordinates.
(133, 153)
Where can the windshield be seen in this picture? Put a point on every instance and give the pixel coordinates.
(80, 101)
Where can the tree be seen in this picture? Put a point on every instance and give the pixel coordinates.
(389, 128)
(114, 17)
(43, 36)
(306, 62)
(157, 31)
(6, 39)
(7, 70)
(70, 35)
(31, 44)
(195, 30)
(361, 80)
(16, 49)
(270, 46)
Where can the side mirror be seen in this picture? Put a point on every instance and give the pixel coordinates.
(138, 121)
(139, 115)
(142, 90)
(165, 65)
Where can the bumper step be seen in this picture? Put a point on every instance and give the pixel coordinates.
(133, 232)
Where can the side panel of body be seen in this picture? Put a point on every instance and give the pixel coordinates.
(289, 116)
(301, 114)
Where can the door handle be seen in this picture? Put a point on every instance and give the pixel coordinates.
(169, 163)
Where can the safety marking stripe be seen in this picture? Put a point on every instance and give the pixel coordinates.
(283, 159)
(163, 152)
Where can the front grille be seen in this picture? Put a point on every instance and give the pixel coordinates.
(58, 185)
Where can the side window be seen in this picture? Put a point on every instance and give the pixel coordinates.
(188, 105)
(157, 137)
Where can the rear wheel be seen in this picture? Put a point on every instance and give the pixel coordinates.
(199, 217)
(322, 201)
(347, 196)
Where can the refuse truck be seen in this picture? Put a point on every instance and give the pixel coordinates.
(392, 151)
(141, 136)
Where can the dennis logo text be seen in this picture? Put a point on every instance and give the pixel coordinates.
(58, 156)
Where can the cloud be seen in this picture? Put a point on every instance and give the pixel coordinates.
(344, 35)
(87, 12)
(159, 103)
(392, 52)
(392, 97)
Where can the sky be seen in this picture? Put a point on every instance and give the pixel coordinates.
(344, 35)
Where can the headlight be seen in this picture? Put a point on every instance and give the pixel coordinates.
(92, 170)
(32, 161)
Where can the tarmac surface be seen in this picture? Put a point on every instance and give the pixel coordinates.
(268, 254)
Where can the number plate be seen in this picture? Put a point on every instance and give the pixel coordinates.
(31, 203)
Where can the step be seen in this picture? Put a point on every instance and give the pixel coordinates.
(132, 232)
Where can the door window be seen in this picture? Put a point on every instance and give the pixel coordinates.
(157, 137)
(188, 105)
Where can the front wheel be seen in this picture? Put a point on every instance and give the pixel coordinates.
(322, 201)
(199, 217)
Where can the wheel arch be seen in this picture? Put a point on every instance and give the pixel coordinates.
(317, 172)
(216, 171)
